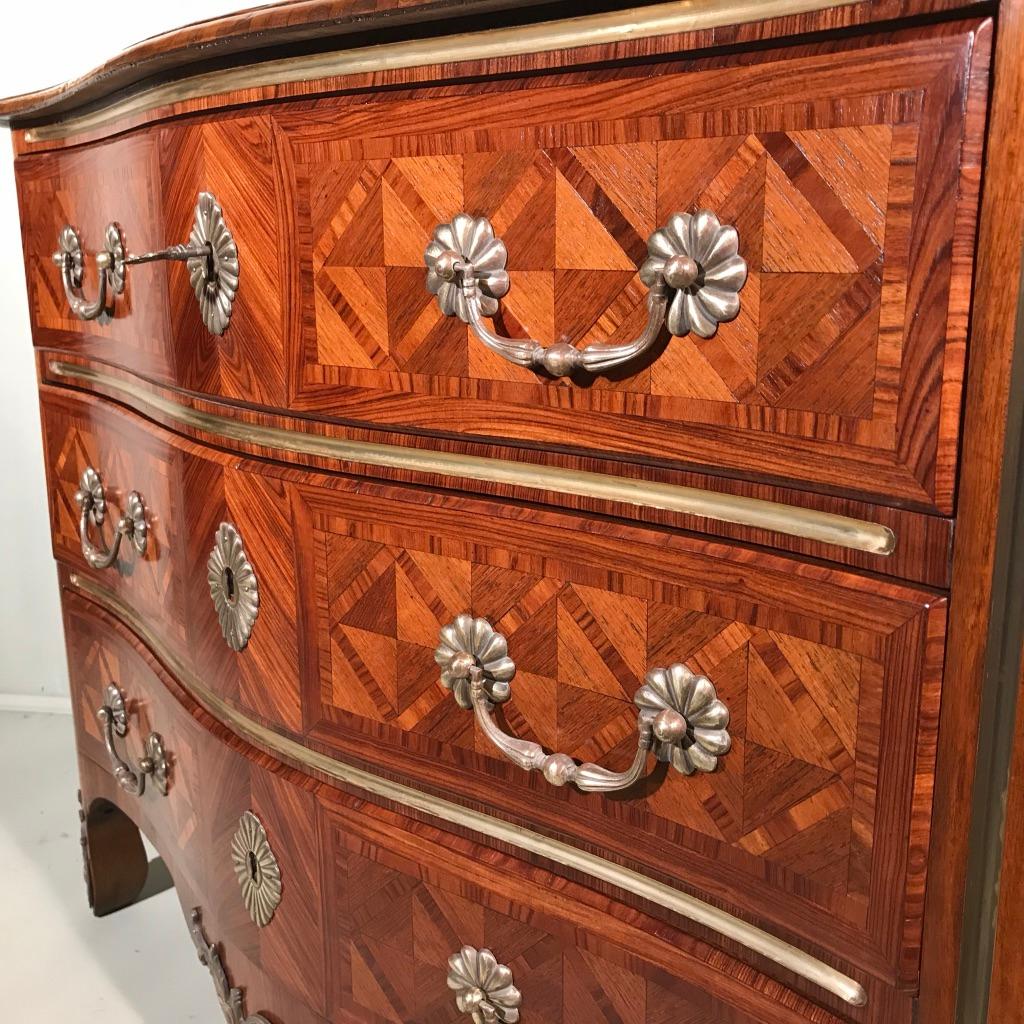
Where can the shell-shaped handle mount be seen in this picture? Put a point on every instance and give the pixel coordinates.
(679, 716)
(693, 272)
(210, 254)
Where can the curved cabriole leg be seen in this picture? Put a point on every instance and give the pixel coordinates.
(116, 865)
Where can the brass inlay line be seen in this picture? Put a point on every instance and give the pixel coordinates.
(563, 34)
(808, 524)
(788, 957)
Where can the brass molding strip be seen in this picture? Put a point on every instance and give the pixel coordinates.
(567, 33)
(808, 524)
(788, 957)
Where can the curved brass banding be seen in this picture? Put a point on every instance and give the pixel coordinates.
(707, 915)
(756, 513)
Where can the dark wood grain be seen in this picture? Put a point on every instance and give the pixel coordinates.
(390, 889)
(818, 821)
(114, 859)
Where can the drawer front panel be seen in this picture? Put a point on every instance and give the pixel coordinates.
(849, 169)
(375, 904)
(406, 899)
(816, 817)
(186, 493)
(83, 434)
(148, 184)
(815, 821)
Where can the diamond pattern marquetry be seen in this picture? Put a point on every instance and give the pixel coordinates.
(395, 926)
(809, 205)
(581, 652)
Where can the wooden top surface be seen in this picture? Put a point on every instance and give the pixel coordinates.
(245, 32)
(297, 27)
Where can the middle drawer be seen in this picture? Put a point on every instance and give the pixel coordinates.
(812, 818)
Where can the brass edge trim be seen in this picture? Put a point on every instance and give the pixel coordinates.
(568, 33)
(756, 513)
(788, 957)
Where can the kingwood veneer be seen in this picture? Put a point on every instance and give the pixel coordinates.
(289, 516)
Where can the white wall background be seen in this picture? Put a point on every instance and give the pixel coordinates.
(44, 43)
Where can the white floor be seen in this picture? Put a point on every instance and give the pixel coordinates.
(58, 963)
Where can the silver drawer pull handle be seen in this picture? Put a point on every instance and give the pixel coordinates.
(210, 254)
(113, 718)
(92, 504)
(680, 717)
(71, 260)
(694, 274)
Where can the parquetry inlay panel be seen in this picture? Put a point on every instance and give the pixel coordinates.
(823, 681)
(393, 931)
(810, 207)
(850, 194)
(581, 653)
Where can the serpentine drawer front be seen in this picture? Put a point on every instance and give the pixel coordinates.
(404, 906)
(531, 488)
(765, 717)
(810, 324)
(240, 847)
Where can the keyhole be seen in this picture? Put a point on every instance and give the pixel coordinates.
(229, 585)
(254, 870)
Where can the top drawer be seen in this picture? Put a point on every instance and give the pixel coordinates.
(849, 170)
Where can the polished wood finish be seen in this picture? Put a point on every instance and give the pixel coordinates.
(995, 332)
(165, 58)
(192, 827)
(844, 361)
(863, 398)
(922, 553)
(818, 820)
(149, 184)
(238, 34)
(869, 376)
(397, 892)
(586, 615)
(114, 859)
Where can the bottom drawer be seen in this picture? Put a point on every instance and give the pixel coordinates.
(426, 927)
(382, 917)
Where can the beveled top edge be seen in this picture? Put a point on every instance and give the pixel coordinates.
(245, 40)
(240, 36)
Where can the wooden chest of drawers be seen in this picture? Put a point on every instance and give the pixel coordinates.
(532, 498)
